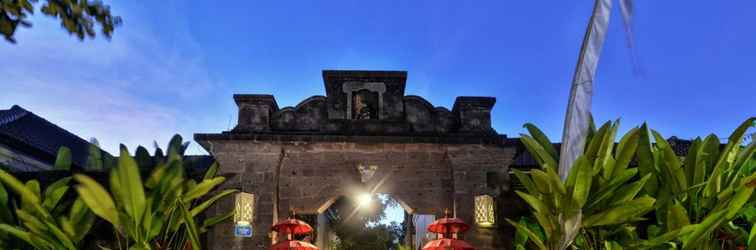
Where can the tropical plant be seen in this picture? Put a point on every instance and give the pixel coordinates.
(42, 220)
(703, 192)
(161, 212)
(597, 202)
(521, 237)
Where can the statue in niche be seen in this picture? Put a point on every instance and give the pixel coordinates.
(364, 105)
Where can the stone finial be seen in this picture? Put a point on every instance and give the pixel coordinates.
(474, 113)
(254, 112)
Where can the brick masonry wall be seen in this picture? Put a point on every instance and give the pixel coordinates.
(307, 176)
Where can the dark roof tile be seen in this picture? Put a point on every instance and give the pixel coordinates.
(26, 130)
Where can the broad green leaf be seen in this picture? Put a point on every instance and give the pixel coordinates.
(607, 191)
(60, 236)
(81, 218)
(555, 181)
(147, 218)
(709, 155)
(701, 230)
(212, 221)
(31, 222)
(645, 158)
(533, 237)
(542, 139)
(748, 153)
(54, 193)
(742, 195)
(97, 199)
(63, 160)
(209, 202)
(671, 164)
(538, 152)
(728, 155)
(582, 181)
(34, 187)
(677, 217)
(593, 146)
(541, 181)
(626, 150)
(132, 191)
(211, 171)
(191, 226)
(545, 221)
(174, 148)
(156, 176)
(202, 188)
(5, 211)
(525, 181)
(23, 235)
(657, 240)
(605, 150)
(27, 196)
(534, 202)
(143, 158)
(629, 211)
(94, 159)
(689, 164)
(156, 226)
(116, 191)
(628, 191)
(521, 238)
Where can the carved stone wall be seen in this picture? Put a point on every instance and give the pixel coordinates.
(308, 176)
(393, 113)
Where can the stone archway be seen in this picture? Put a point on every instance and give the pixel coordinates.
(301, 157)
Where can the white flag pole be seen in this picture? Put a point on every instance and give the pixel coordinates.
(579, 105)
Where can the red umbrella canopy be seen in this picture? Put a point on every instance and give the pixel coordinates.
(293, 245)
(447, 244)
(448, 225)
(292, 226)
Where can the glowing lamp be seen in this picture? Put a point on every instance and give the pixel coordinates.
(244, 209)
(484, 211)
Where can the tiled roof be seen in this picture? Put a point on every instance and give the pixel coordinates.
(32, 134)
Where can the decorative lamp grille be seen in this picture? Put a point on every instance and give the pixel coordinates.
(484, 210)
(244, 209)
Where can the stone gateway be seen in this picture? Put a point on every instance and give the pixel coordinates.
(364, 135)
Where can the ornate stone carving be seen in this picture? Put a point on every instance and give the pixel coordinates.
(362, 103)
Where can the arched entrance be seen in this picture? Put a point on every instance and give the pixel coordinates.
(370, 222)
(306, 157)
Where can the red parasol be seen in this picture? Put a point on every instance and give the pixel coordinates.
(448, 225)
(293, 245)
(292, 226)
(447, 244)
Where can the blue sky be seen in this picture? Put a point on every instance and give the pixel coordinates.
(173, 66)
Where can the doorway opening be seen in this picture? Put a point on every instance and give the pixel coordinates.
(364, 222)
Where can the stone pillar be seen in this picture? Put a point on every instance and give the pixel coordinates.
(474, 113)
(254, 112)
(251, 168)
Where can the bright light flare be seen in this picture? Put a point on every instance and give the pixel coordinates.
(364, 200)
